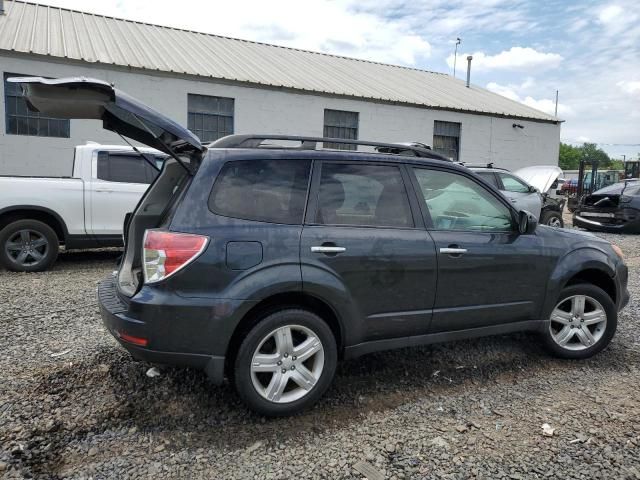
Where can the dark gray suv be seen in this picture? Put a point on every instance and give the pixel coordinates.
(268, 263)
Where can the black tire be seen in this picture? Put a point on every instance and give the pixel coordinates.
(242, 375)
(609, 307)
(48, 252)
(551, 218)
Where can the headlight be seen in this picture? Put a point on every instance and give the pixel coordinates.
(618, 251)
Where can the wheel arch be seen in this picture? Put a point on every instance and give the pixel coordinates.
(34, 212)
(584, 265)
(281, 301)
(596, 277)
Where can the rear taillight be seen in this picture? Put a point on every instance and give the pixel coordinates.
(167, 252)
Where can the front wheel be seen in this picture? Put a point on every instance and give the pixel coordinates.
(286, 362)
(552, 219)
(582, 323)
(28, 246)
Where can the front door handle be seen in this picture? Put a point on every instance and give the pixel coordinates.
(327, 249)
(453, 250)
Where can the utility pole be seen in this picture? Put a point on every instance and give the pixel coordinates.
(556, 114)
(455, 56)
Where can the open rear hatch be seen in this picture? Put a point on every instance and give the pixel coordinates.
(85, 98)
(88, 98)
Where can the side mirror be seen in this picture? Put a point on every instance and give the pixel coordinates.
(527, 222)
(532, 189)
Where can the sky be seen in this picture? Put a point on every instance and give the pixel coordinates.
(588, 50)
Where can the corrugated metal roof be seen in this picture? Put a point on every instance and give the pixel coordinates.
(58, 32)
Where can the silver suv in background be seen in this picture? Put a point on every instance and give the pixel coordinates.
(529, 189)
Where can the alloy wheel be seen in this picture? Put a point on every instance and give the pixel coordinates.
(578, 322)
(27, 247)
(287, 364)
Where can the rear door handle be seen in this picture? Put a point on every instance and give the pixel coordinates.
(326, 249)
(453, 251)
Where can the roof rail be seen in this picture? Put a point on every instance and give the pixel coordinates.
(481, 165)
(310, 143)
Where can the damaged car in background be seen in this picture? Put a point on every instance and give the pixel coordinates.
(615, 208)
(530, 188)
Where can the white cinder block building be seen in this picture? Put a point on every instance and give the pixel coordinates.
(218, 86)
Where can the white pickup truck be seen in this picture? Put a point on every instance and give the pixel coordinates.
(85, 210)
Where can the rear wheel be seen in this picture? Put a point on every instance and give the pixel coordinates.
(285, 363)
(28, 246)
(552, 219)
(582, 323)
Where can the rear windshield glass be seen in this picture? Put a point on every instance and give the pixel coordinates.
(263, 190)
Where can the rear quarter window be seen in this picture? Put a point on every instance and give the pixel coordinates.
(272, 191)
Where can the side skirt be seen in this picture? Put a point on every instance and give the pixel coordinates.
(441, 337)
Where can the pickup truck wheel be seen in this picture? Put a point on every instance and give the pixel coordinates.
(286, 362)
(28, 246)
(552, 218)
(582, 323)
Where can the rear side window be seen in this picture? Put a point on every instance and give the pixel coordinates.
(263, 190)
(127, 168)
(488, 177)
(513, 184)
(367, 195)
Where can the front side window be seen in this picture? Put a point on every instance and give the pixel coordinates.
(272, 191)
(19, 120)
(367, 195)
(127, 168)
(340, 124)
(446, 139)
(513, 184)
(210, 118)
(456, 202)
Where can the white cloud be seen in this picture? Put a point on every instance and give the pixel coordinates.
(610, 13)
(630, 87)
(544, 104)
(516, 58)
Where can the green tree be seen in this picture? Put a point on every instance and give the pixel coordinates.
(570, 156)
(591, 152)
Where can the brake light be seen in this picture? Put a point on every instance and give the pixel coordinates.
(167, 252)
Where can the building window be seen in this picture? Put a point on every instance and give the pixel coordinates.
(20, 120)
(210, 118)
(340, 124)
(446, 139)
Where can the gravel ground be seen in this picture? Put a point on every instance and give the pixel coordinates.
(73, 404)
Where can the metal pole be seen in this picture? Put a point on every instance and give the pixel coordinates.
(455, 55)
(469, 58)
(556, 114)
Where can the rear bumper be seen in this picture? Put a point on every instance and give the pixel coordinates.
(117, 318)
